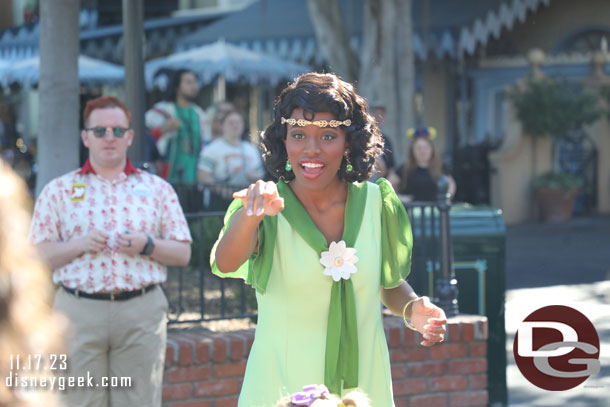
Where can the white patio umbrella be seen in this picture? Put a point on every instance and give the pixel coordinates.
(91, 72)
(225, 60)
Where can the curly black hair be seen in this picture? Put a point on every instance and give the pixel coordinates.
(314, 93)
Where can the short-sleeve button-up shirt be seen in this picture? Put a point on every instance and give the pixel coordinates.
(72, 205)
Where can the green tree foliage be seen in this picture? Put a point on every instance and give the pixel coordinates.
(556, 180)
(546, 106)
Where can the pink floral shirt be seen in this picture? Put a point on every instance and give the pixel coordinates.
(73, 204)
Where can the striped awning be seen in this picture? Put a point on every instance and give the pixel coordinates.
(107, 42)
(445, 28)
(442, 28)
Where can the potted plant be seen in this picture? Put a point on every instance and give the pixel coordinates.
(556, 193)
(547, 107)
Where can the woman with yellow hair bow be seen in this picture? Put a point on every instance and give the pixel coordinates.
(422, 169)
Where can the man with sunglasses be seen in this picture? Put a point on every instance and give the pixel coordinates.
(108, 231)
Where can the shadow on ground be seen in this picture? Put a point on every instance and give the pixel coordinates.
(542, 254)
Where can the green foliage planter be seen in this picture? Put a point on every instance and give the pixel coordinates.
(548, 107)
(556, 194)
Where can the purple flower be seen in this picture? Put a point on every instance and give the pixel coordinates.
(308, 395)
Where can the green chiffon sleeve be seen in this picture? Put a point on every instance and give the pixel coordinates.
(256, 270)
(396, 237)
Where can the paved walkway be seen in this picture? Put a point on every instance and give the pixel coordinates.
(569, 265)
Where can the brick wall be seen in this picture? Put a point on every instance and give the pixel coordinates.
(204, 369)
(452, 374)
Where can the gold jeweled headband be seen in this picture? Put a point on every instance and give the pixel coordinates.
(319, 123)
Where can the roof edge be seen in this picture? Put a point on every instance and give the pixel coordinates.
(480, 31)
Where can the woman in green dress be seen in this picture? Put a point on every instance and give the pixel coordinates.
(322, 247)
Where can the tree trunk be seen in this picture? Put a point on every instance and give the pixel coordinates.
(371, 52)
(58, 132)
(388, 69)
(332, 37)
(405, 68)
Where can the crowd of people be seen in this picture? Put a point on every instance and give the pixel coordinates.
(108, 231)
(195, 146)
(219, 151)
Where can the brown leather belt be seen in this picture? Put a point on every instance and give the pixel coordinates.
(120, 296)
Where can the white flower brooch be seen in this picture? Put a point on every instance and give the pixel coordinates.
(339, 261)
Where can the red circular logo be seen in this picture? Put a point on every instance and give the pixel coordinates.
(556, 348)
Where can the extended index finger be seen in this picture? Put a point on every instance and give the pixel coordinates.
(240, 194)
(270, 189)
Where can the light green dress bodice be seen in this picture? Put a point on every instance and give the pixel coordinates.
(289, 346)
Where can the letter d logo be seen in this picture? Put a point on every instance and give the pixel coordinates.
(556, 348)
(526, 337)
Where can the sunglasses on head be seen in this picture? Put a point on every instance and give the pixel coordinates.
(100, 131)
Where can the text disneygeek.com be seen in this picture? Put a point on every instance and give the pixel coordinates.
(61, 383)
(28, 372)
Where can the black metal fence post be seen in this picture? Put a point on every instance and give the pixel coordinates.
(445, 291)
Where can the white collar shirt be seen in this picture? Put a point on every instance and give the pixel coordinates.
(72, 205)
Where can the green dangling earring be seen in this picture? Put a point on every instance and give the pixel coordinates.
(348, 165)
(288, 167)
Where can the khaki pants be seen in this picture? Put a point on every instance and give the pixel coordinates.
(115, 338)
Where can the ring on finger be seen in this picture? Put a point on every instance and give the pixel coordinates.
(129, 243)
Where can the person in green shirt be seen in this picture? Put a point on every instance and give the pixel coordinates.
(180, 127)
(323, 247)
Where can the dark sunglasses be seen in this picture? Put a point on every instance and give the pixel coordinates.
(100, 132)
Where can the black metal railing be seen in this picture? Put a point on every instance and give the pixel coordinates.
(432, 261)
(196, 295)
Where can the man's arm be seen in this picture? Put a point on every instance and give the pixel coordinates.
(167, 252)
(58, 254)
(171, 252)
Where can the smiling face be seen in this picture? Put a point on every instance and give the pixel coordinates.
(315, 153)
(422, 151)
(108, 151)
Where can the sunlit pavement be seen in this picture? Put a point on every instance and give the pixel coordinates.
(593, 300)
(563, 264)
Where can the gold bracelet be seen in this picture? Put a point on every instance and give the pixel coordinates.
(408, 323)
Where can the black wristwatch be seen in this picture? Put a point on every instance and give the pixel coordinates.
(148, 247)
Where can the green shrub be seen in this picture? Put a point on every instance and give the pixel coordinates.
(556, 180)
(547, 106)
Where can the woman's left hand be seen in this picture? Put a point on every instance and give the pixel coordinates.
(429, 320)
